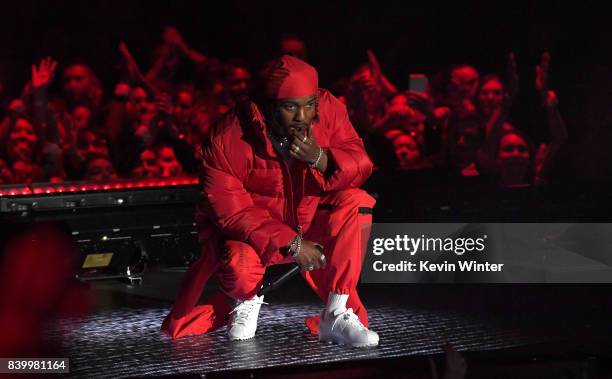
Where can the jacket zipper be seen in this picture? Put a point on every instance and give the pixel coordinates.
(291, 205)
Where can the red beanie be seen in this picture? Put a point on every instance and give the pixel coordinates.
(291, 77)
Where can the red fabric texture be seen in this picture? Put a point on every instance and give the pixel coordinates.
(312, 323)
(202, 319)
(252, 203)
(338, 229)
(291, 77)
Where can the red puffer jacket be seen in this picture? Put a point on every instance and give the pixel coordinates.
(249, 192)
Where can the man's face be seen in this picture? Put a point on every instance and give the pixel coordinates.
(513, 151)
(148, 167)
(168, 163)
(369, 89)
(16, 107)
(415, 126)
(491, 96)
(81, 116)
(77, 79)
(365, 80)
(202, 122)
(464, 82)
(100, 169)
(183, 110)
(296, 114)
(21, 141)
(139, 104)
(465, 144)
(513, 157)
(239, 83)
(406, 150)
(92, 145)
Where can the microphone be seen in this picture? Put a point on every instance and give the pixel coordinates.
(270, 286)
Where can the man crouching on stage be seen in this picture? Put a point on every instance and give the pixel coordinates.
(281, 184)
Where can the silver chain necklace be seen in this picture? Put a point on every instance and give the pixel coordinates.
(281, 144)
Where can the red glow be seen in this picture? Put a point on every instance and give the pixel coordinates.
(50, 291)
(85, 187)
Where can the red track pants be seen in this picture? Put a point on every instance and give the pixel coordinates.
(341, 224)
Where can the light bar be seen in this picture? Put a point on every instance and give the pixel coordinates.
(79, 187)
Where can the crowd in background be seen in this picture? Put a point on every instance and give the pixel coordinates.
(154, 121)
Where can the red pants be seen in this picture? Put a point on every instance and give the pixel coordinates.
(341, 224)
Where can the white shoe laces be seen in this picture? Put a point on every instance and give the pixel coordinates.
(244, 310)
(352, 319)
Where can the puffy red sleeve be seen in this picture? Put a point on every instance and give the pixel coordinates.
(230, 205)
(346, 153)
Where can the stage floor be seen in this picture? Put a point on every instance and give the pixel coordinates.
(127, 342)
(122, 338)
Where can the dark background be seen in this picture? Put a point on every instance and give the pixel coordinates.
(407, 37)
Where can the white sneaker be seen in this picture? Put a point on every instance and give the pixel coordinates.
(243, 321)
(346, 329)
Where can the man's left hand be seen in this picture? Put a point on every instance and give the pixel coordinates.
(304, 148)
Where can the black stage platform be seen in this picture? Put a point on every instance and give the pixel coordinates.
(490, 325)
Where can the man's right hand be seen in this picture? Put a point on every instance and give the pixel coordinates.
(310, 255)
(42, 75)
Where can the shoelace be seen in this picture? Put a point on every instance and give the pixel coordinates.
(244, 310)
(352, 319)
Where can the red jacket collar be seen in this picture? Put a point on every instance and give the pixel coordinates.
(258, 123)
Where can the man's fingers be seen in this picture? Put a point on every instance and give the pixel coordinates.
(299, 135)
(297, 141)
(315, 266)
(299, 155)
(323, 261)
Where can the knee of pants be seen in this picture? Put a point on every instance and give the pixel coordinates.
(241, 271)
(363, 199)
(337, 209)
(352, 197)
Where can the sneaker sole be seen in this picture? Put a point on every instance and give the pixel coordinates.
(241, 338)
(330, 341)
